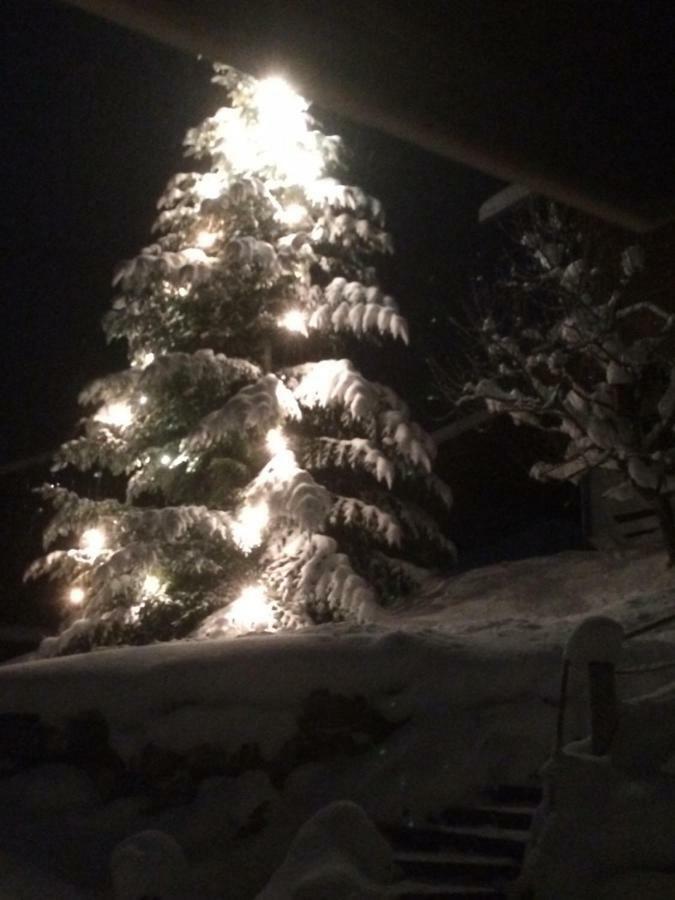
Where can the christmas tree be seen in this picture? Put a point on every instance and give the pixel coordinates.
(256, 479)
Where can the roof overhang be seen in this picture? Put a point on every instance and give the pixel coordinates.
(573, 100)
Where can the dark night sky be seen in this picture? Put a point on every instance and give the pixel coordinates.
(93, 122)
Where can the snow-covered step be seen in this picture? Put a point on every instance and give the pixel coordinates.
(458, 892)
(469, 852)
(477, 838)
(515, 794)
(511, 818)
(456, 868)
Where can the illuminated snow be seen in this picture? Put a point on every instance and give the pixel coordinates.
(117, 414)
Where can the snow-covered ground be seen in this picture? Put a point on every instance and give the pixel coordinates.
(403, 717)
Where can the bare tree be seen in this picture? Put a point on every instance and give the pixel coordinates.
(562, 341)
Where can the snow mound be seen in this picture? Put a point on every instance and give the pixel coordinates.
(642, 885)
(338, 853)
(149, 864)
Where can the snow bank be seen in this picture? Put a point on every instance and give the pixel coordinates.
(543, 596)
(440, 694)
(604, 827)
(338, 853)
(231, 745)
(403, 724)
(609, 831)
(150, 864)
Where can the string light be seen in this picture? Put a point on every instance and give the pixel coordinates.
(193, 254)
(292, 215)
(277, 103)
(210, 186)
(278, 139)
(151, 584)
(93, 541)
(294, 320)
(76, 596)
(143, 399)
(206, 239)
(165, 459)
(118, 415)
(288, 405)
(249, 526)
(275, 441)
(282, 466)
(283, 132)
(251, 610)
(144, 360)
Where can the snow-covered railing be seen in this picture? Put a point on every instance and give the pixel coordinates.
(650, 626)
(595, 645)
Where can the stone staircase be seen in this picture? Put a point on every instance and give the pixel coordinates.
(472, 853)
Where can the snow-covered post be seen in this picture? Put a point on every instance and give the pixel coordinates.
(596, 645)
(562, 705)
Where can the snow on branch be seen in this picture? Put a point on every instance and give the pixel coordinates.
(346, 230)
(438, 488)
(328, 192)
(203, 367)
(247, 252)
(350, 305)
(307, 571)
(326, 452)
(290, 491)
(335, 381)
(424, 528)
(260, 405)
(407, 438)
(351, 511)
(154, 261)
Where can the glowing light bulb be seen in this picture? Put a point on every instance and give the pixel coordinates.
(210, 186)
(206, 239)
(249, 526)
(292, 215)
(277, 102)
(294, 320)
(151, 584)
(118, 415)
(143, 399)
(76, 596)
(282, 136)
(282, 466)
(165, 459)
(147, 359)
(93, 541)
(275, 441)
(251, 610)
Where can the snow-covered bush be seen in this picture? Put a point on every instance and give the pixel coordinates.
(339, 853)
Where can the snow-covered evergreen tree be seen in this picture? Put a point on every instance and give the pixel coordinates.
(257, 479)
